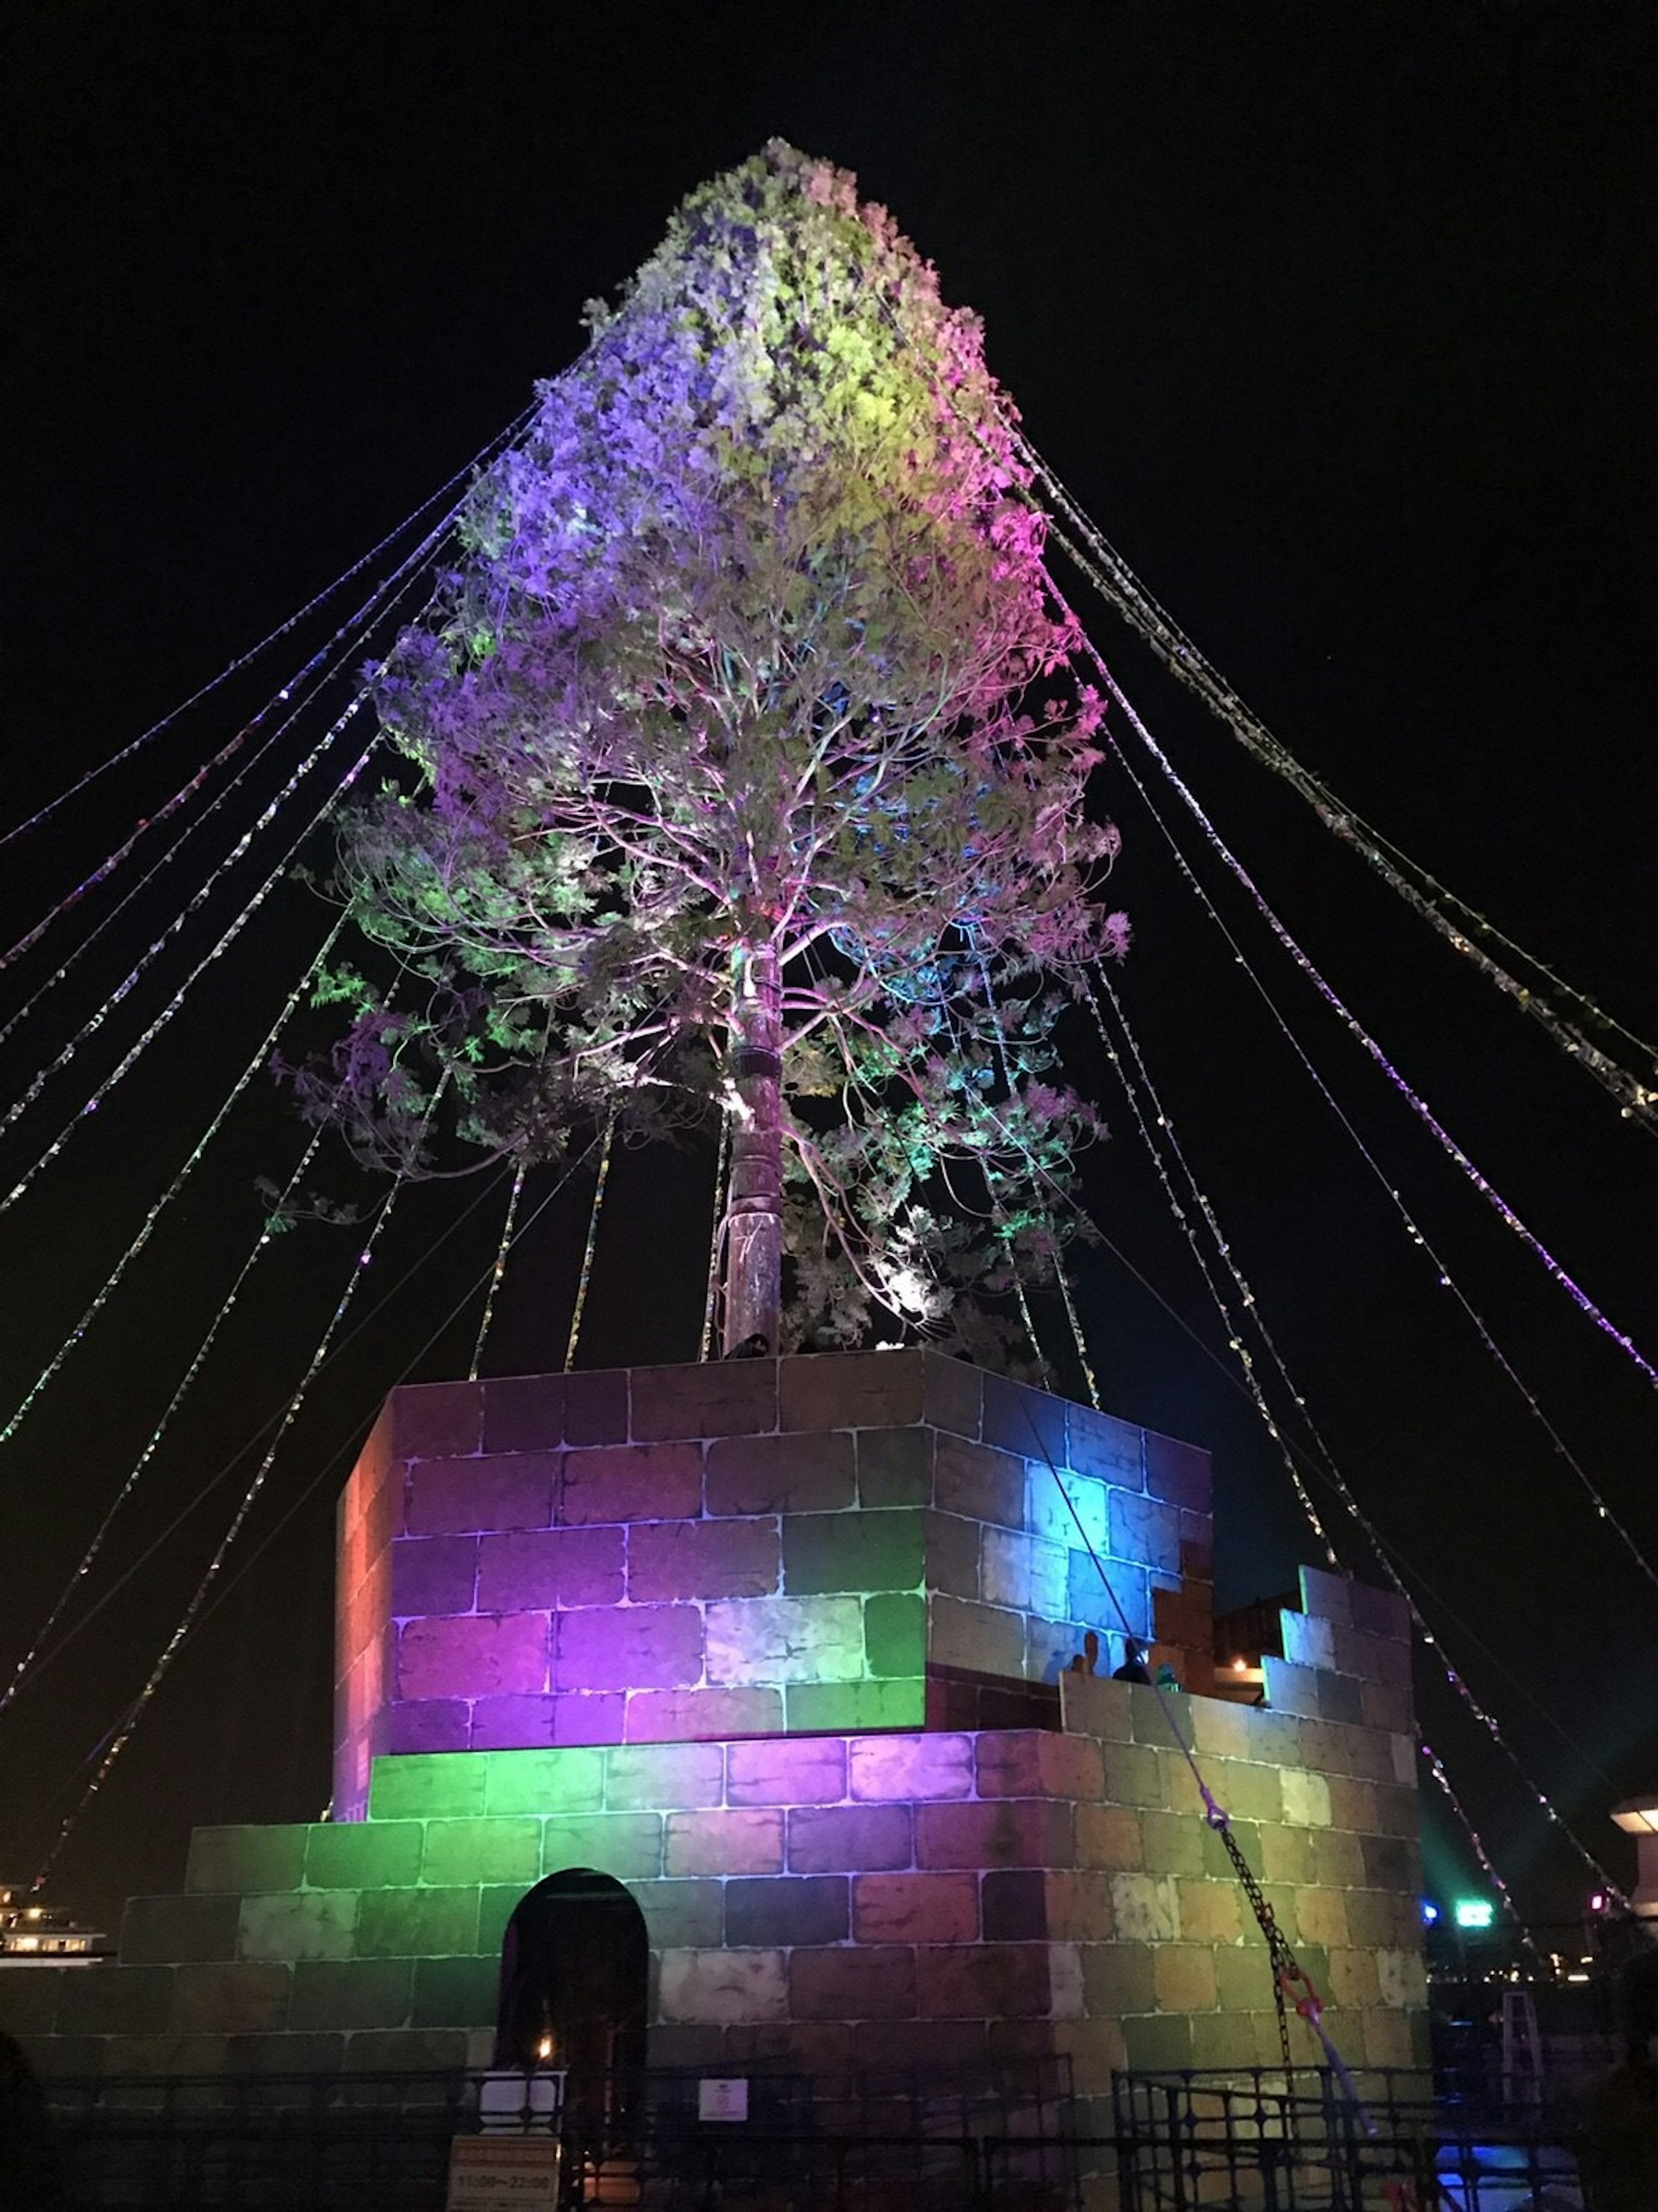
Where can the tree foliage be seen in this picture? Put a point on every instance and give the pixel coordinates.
(749, 682)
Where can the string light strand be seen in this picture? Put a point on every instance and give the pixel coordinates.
(498, 1271)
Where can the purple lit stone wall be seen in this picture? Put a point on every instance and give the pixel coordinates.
(752, 1548)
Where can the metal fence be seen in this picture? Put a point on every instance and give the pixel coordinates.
(1265, 2142)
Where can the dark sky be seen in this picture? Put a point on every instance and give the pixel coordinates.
(1339, 320)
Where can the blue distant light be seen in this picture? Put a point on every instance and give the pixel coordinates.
(1429, 1913)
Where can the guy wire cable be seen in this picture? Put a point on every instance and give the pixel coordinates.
(1451, 917)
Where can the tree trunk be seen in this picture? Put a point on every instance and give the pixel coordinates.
(754, 1210)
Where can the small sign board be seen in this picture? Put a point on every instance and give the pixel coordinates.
(722, 2099)
(488, 2174)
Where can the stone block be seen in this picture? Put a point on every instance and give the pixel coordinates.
(1401, 1976)
(1290, 1689)
(430, 1724)
(1110, 1836)
(436, 1421)
(472, 1656)
(1145, 1531)
(455, 1993)
(1321, 1917)
(412, 1924)
(1056, 1503)
(1339, 1860)
(231, 2000)
(978, 1483)
(167, 1931)
(513, 1724)
(664, 1778)
(1177, 1473)
(1099, 1592)
(548, 1568)
(894, 1634)
(122, 1999)
(669, 1559)
(632, 1482)
(787, 1909)
(1223, 2040)
(850, 1839)
(433, 1574)
(626, 1846)
(877, 1548)
(1013, 1904)
(1210, 1912)
(952, 1555)
(501, 1847)
(409, 2050)
(1036, 1763)
(454, 1497)
(29, 2000)
(352, 1994)
(242, 1859)
(895, 1467)
(1017, 1419)
(1287, 1853)
(620, 1648)
(1353, 1980)
(1095, 1705)
(1010, 1832)
(915, 1908)
(860, 1981)
(1327, 1594)
(1134, 1773)
(1379, 1612)
(1357, 1805)
(682, 1914)
(691, 1716)
(849, 1708)
(738, 1841)
(808, 1771)
(1100, 1447)
(1387, 1862)
(981, 1639)
(983, 1981)
(780, 1474)
(1146, 1907)
(588, 1718)
(785, 1639)
(363, 1854)
(851, 1391)
(526, 1412)
(299, 1925)
(1079, 1908)
(900, 1768)
(721, 1987)
(1174, 1842)
(952, 1395)
(1158, 2042)
(717, 1398)
(1023, 1572)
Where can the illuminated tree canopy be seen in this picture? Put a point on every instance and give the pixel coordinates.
(749, 778)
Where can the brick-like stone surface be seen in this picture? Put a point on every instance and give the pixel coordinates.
(981, 1639)
(851, 1389)
(983, 1981)
(453, 1497)
(1014, 1832)
(247, 1859)
(625, 1845)
(433, 1574)
(915, 1908)
(363, 1854)
(358, 1993)
(895, 1467)
(903, 1769)
(657, 1647)
(664, 1778)
(862, 1981)
(417, 1787)
(671, 1559)
(1177, 1473)
(472, 1656)
(732, 1842)
(978, 1483)
(304, 1924)
(718, 1399)
(895, 1633)
(690, 1716)
(455, 1993)
(850, 1708)
(796, 1909)
(785, 1639)
(549, 1568)
(632, 1482)
(430, 1724)
(877, 1548)
(806, 1771)
(850, 1839)
(501, 1848)
(791, 1473)
(409, 1923)
(724, 1987)
(167, 1930)
(232, 2000)
(682, 1914)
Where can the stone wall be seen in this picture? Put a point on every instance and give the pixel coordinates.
(825, 1901)
(747, 1549)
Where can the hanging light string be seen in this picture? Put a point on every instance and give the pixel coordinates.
(1436, 1767)
(1412, 1229)
(158, 1672)
(585, 1276)
(192, 1161)
(1327, 1465)
(26, 1666)
(199, 822)
(1077, 1336)
(717, 1237)
(485, 454)
(1356, 1028)
(1457, 923)
(1233, 1326)
(148, 1034)
(498, 1270)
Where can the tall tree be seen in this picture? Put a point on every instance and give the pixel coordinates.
(750, 776)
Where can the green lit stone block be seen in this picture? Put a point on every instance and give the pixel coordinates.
(506, 1849)
(411, 1784)
(566, 1781)
(894, 1634)
(364, 1854)
(847, 1708)
(247, 1859)
(416, 1924)
(873, 1550)
(456, 1992)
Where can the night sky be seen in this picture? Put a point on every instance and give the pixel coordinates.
(1339, 320)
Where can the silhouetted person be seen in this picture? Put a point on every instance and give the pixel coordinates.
(1087, 1660)
(1134, 1667)
(1621, 2162)
(31, 2172)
